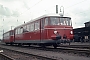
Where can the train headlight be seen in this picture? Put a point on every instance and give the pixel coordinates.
(71, 32)
(55, 32)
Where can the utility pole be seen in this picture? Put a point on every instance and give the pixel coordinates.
(3, 30)
(56, 9)
(11, 27)
(3, 34)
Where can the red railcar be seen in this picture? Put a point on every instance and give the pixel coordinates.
(8, 37)
(45, 30)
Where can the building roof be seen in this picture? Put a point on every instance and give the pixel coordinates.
(87, 22)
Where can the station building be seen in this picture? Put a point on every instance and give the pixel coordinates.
(83, 33)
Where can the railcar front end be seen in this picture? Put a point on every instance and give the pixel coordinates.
(8, 37)
(62, 33)
(57, 30)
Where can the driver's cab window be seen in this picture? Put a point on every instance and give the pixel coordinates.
(54, 20)
(42, 23)
(46, 21)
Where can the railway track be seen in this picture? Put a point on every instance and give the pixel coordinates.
(66, 49)
(62, 49)
(10, 54)
(76, 49)
(79, 51)
(77, 46)
(5, 57)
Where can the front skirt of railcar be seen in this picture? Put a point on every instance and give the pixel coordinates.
(57, 40)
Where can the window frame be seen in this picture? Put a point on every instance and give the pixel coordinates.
(56, 22)
(37, 25)
(46, 21)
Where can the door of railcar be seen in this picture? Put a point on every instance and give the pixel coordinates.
(11, 36)
(37, 30)
(42, 31)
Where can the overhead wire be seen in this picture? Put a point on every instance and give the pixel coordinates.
(28, 9)
(76, 4)
(32, 6)
(41, 0)
(72, 5)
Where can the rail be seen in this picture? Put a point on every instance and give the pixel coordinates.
(5, 57)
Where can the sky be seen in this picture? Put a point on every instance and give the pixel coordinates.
(14, 12)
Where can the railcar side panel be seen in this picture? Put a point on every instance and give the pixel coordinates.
(9, 37)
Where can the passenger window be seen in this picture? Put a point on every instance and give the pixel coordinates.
(11, 33)
(32, 27)
(36, 25)
(25, 27)
(28, 27)
(6, 34)
(21, 30)
(18, 30)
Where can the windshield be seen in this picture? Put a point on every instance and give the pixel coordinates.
(60, 21)
(54, 21)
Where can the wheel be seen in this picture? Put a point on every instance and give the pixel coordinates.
(55, 46)
(11, 44)
(29, 44)
(43, 46)
(6, 43)
(19, 44)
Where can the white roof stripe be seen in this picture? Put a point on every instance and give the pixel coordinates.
(47, 15)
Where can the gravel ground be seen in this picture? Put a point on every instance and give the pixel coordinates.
(18, 56)
(50, 54)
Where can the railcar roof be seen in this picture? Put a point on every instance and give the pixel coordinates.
(47, 15)
(8, 31)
